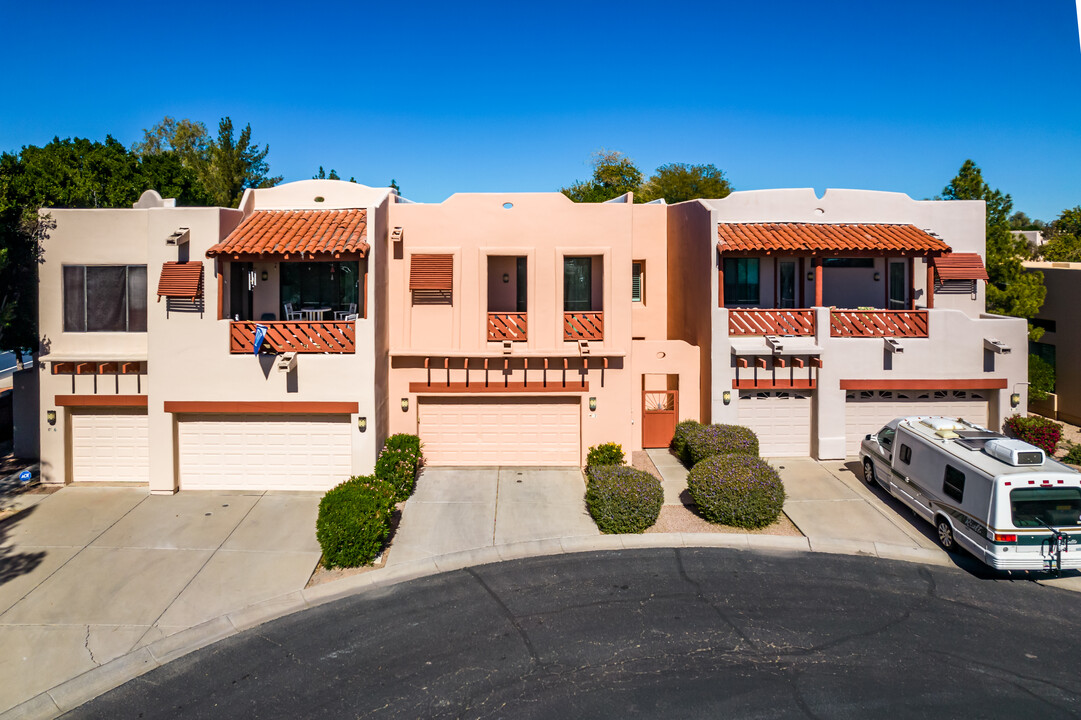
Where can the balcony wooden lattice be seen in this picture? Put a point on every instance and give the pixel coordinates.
(878, 323)
(747, 321)
(507, 326)
(583, 326)
(284, 336)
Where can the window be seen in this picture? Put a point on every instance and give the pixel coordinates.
(843, 262)
(577, 284)
(332, 284)
(431, 279)
(1034, 507)
(905, 454)
(741, 281)
(885, 437)
(104, 298)
(638, 272)
(954, 483)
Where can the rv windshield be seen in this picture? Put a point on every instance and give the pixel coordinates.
(1054, 506)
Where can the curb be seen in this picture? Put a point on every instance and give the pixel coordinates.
(81, 689)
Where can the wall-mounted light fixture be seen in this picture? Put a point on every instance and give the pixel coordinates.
(50, 417)
(362, 423)
(726, 397)
(1015, 400)
(264, 276)
(593, 403)
(506, 277)
(878, 276)
(405, 404)
(810, 275)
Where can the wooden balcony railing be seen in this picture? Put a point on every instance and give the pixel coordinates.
(302, 336)
(507, 326)
(878, 323)
(583, 326)
(747, 321)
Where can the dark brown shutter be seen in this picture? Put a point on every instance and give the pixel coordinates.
(431, 272)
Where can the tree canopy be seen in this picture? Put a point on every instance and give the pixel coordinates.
(1010, 289)
(1063, 241)
(615, 174)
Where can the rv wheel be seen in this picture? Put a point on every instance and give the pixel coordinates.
(945, 535)
(869, 472)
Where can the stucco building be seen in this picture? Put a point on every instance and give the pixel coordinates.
(1060, 344)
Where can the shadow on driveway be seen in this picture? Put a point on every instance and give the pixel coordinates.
(14, 563)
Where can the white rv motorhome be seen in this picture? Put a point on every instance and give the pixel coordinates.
(999, 498)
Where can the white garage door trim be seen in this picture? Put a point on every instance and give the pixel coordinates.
(866, 411)
(266, 452)
(501, 431)
(110, 447)
(780, 418)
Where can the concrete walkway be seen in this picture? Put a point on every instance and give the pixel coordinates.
(89, 574)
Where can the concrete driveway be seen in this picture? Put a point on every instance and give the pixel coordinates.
(459, 509)
(89, 574)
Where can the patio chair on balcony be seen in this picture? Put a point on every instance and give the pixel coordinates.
(344, 314)
(291, 314)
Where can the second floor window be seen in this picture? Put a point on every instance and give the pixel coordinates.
(577, 284)
(741, 281)
(105, 298)
(638, 276)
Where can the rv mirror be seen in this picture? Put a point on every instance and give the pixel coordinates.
(867, 436)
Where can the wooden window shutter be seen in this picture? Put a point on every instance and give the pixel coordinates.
(636, 282)
(431, 272)
(181, 280)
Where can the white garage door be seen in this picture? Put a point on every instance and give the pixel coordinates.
(482, 431)
(866, 411)
(290, 452)
(782, 421)
(110, 447)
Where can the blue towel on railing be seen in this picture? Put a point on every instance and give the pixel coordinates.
(260, 334)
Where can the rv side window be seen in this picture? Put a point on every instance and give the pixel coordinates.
(885, 437)
(905, 454)
(954, 483)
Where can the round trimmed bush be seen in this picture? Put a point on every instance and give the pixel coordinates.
(354, 521)
(713, 440)
(605, 454)
(398, 464)
(623, 499)
(684, 430)
(736, 490)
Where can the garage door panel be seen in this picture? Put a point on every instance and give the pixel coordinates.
(291, 452)
(781, 420)
(482, 431)
(110, 447)
(868, 410)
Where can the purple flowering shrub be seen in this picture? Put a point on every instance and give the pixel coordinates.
(623, 499)
(684, 430)
(737, 490)
(713, 440)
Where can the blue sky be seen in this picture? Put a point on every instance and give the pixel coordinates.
(448, 97)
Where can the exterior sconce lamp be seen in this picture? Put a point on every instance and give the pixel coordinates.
(810, 275)
(362, 423)
(50, 417)
(1015, 399)
(593, 403)
(878, 276)
(726, 397)
(264, 276)
(506, 277)
(405, 404)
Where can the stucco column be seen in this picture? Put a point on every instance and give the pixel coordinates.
(817, 264)
(828, 419)
(930, 284)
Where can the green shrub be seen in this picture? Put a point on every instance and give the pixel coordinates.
(713, 440)
(1074, 455)
(605, 454)
(354, 521)
(684, 430)
(1035, 430)
(1041, 378)
(623, 499)
(737, 490)
(398, 464)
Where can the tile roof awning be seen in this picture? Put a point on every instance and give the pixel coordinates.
(288, 233)
(959, 266)
(827, 239)
(181, 280)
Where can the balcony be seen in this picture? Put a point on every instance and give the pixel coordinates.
(745, 321)
(317, 336)
(507, 326)
(583, 326)
(878, 323)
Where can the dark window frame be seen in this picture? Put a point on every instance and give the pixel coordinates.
(638, 281)
(953, 483)
(904, 454)
(739, 289)
(134, 313)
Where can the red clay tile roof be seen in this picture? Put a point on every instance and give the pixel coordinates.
(960, 266)
(291, 232)
(826, 237)
(181, 280)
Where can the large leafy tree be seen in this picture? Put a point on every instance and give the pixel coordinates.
(677, 182)
(614, 174)
(1064, 237)
(1011, 290)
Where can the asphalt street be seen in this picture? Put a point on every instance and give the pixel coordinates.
(678, 633)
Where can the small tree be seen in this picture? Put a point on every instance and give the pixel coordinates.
(677, 182)
(614, 174)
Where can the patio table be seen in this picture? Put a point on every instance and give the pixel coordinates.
(314, 313)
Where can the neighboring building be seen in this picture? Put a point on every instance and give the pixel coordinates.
(1034, 238)
(147, 318)
(525, 328)
(830, 316)
(1060, 344)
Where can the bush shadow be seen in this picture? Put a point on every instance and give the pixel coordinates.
(12, 562)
